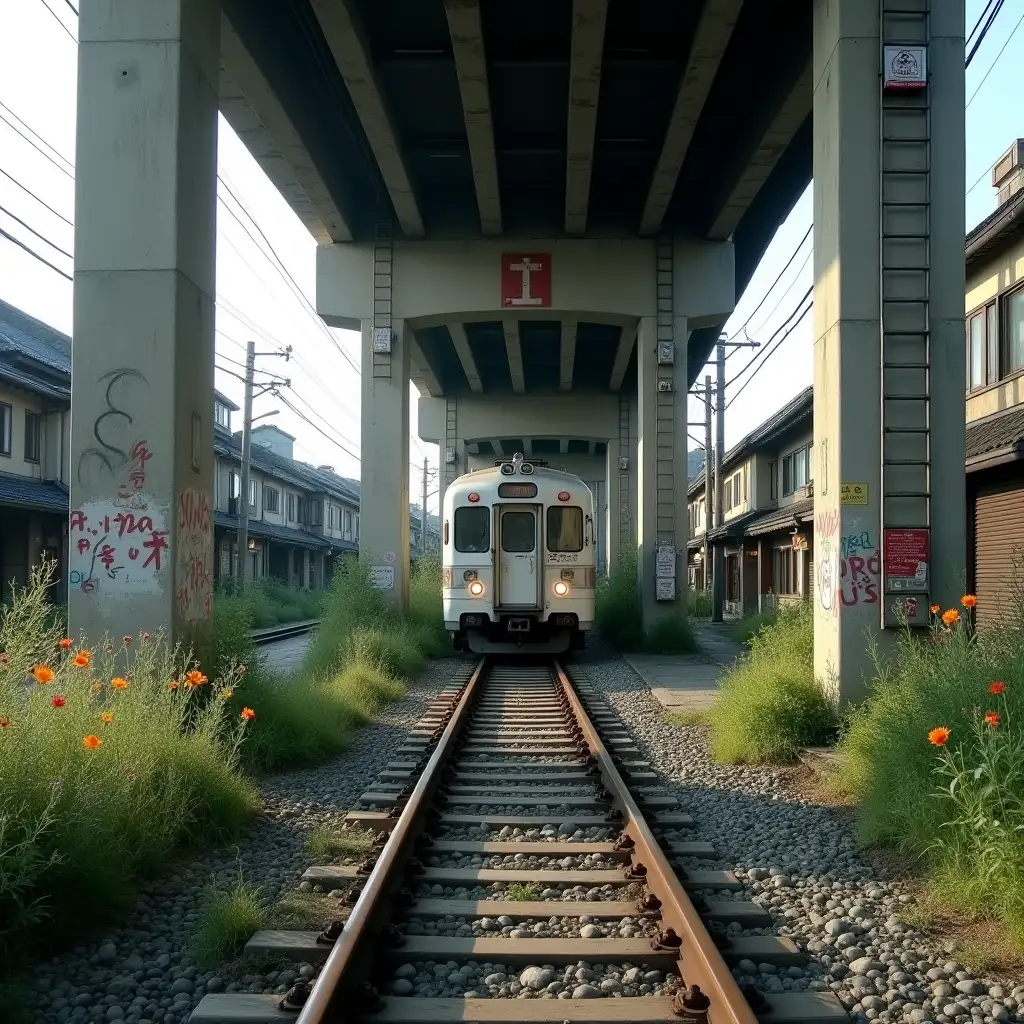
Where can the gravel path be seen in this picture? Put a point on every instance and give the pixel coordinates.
(141, 971)
(800, 861)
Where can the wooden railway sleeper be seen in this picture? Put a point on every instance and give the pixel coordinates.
(691, 1005)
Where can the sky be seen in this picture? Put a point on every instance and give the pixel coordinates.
(266, 274)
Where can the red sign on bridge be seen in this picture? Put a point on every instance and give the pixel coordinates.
(525, 280)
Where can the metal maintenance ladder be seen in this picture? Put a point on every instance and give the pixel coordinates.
(626, 539)
(383, 264)
(667, 457)
(905, 228)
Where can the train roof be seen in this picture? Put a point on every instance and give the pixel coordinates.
(492, 476)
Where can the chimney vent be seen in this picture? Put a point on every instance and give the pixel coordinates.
(1008, 173)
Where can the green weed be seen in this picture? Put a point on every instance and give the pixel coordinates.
(228, 919)
(354, 843)
(744, 630)
(522, 893)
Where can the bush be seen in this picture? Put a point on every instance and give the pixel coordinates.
(108, 761)
(227, 921)
(969, 837)
(268, 602)
(745, 629)
(619, 617)
(698, 603)
(770, 704)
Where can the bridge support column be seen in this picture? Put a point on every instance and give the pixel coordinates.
(661, 451)
(384, 461)
(888, 326)
(141, 525)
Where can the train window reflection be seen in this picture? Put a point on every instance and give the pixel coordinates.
(473, 529)
(565, 528)
(518, 532)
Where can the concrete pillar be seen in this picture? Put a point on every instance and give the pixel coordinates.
(662, 517)
(141, 525)
(612, 498)
(848, 271)
(384, 466)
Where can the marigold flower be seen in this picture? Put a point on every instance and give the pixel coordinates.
(4, 722)
(997, 687)
(96, 687)
(58, 700)
(951, 617)
(968, 600)
(992, 718)
(82, 659)
(127, 639)
(92, 742)
(118, 683)
(939, 736)
(195, 678)
(44, 674)
(107, 717)
(173, 684)
(934, 609)
(65, 643)
(227, 694)
(248, 714)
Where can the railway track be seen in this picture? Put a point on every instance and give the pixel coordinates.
(526, 866)
(275, 633)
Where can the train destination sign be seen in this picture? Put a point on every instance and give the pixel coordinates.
(523, 490)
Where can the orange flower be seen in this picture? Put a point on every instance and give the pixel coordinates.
(248, 714)
(195, 678)
(144, 637)
(44, 674)
(118, 683)
(951, 617)
(992, 718)
(173, 684)
(228, 694)
(934, 609)
(4, 658)
(968, 600)
(58, 700)
(65, 643)
(997, 687)
(939, 736)
(92, 742)
(96, 687)
(4, 722)
(107, 717)
(82, 659)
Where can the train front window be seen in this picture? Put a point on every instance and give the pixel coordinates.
(518, 532)
(473, 529)
(565, 528)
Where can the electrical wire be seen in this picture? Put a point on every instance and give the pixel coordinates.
(977, 88)
(320, 431)
(763, 354)
(49, 145)
(310, 410)
(74, 9)
(37, 147)
(43, 202)
(32, 252)
(53, 14)
(42, 238)
(981, 18)
(984, 32)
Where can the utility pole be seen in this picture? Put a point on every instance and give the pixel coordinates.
(708, 462)
(718, 550)
(243, 510)
(423, 509)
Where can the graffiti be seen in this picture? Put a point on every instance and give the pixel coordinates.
(828, 575)
(131, 494)
(855, 543)
(109, 544)
(106, 452)
(194, 556)
(859, 578)
(827, 522)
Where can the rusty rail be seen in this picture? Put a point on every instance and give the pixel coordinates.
(700, 962)
(337, 993)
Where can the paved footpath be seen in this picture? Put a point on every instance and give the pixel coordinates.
(689, 682)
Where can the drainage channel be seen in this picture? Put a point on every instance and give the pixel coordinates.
(526, 868)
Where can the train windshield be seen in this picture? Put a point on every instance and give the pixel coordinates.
(473, 529)
(565, 528)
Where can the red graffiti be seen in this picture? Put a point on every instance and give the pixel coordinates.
(858, 578)
(827, 522)
(127, 523)
(194, 512)
(83, 545)
(156, 543)
(106, 555)
(77, 521)
(133, 553)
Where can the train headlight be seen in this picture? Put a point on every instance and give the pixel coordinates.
(476, 588)
(561, 588)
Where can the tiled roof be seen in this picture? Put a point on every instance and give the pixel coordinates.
(27, 336)
(24, 492)
(258, 528)
(995, 432)
(780, 518)
(734, 527)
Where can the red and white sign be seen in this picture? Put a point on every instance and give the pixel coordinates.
(906, 559)
(525, 280)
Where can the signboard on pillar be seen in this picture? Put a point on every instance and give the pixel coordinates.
(382, 577)
(665, 562)
(665, 589)
(906, 560)
(905, 67)
(525, 280)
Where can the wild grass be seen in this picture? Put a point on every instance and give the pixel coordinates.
(520, 892)
(228, 919)
(269, 602)
(957, 807)
(325, 842)
(109, 760)
(619, 617)
(698, 603)
(745, 629)
(769, 705)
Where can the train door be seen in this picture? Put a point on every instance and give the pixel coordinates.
(519, 576)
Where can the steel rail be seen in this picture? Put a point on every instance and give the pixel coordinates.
(338, 980)
(282, 632)
(701, 963)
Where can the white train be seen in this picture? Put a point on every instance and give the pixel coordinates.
(519, 557)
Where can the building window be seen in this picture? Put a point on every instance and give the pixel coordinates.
(794, 471)
(784, 576)
(252, 494)
(271, 499)
(300, 509)
(222, 415)
(33, 435)
(6, 428)
(348, 523)
(357, 527)
(291, 508)
(1014, 352)
(316, 513)
(773, 477)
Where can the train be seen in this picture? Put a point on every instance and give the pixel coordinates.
(519, 558)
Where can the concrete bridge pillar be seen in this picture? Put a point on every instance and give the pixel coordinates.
(141, 525)
(888, 325)
(384, 461)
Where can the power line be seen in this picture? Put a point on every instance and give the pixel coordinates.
(32, 252)
(42, 238)
(981, 18)
(53, 149)
(302, 416)
(37, 147)
(53, 14)
(323, 419)
(36, 198)
(764, 351)
(74, 9)
(995, 62)
(984, 32)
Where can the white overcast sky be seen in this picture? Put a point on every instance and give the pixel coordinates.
(255, 300)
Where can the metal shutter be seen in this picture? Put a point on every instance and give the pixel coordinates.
(808, 554)
(998, 549)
